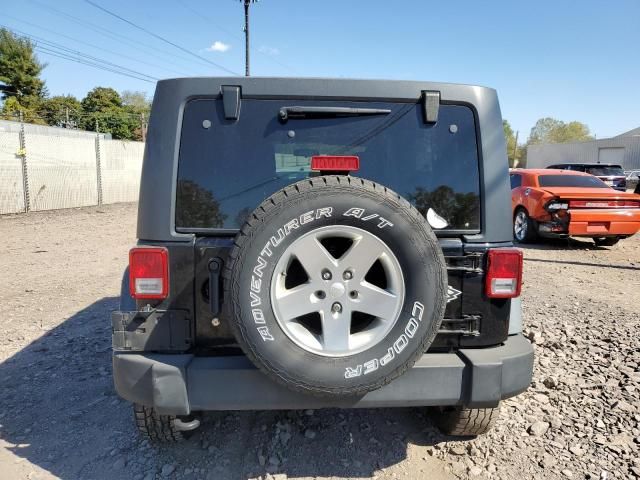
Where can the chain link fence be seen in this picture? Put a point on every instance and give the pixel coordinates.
(46, 168)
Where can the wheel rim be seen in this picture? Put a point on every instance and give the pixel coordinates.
(352, 294)
(520, 225)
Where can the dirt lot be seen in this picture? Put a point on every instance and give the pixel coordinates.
(60, 418)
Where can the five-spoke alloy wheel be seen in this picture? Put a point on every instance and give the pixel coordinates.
(339, 305)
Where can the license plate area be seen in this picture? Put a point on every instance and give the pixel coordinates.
(598, 227)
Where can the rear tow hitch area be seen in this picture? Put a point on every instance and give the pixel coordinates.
(186, 424)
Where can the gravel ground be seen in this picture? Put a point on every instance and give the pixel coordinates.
(60, 418)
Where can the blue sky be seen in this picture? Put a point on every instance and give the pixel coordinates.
(568, 60)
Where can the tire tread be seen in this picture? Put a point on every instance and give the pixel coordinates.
(466, 422)
(156, 427)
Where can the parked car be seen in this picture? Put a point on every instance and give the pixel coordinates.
(561, 203)
(633, 179)
(611, 174)
(267, 277)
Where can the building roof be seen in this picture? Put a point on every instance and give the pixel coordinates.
(631, 133)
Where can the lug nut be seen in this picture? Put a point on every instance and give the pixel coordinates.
(347, 275)
(336, 308)
(326, 275)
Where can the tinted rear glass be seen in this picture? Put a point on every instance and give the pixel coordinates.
(571, 181)
(516, 180)
(578, 168)
(612, 171)
(228, 168)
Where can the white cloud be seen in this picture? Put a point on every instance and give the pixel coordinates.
(219, 46)
(269, 50)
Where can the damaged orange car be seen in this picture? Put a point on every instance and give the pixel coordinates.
(562, 203)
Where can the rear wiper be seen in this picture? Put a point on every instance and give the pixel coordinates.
(287, 113)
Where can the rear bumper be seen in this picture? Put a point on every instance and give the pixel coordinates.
(594, 223)
(603, 228)
(179, 384)
(602, 222)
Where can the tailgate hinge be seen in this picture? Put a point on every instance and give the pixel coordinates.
(430, 106)
(231, 97)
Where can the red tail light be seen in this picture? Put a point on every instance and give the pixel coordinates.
(335, 163)
(148, 272)
(604, 204)
(504, 273)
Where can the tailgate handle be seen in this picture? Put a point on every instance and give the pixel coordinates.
(215, 270)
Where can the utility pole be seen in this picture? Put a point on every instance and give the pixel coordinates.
(97, 126)
(246, 34)
(515, 150)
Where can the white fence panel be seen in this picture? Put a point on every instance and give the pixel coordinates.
(65, 168)
(62, 172)
(120, 167)
(11, 186)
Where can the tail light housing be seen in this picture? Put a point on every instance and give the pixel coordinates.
(604, 204)
(556, 205)
(149, 273)
(503, 277)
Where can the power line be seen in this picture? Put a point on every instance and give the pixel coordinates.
(56, 48)
(115, 36)
(88, 57)
(99, 47)
(209, 21)
(160, 37)
(90, 64)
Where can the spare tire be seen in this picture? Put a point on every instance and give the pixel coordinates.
(335, 286)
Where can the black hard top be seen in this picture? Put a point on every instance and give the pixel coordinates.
(156, 210)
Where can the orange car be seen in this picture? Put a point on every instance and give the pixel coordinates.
(561, 203)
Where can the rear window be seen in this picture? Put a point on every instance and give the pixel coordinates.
(578, 168)
(516, 180)
(610, 171)
(226, 169)
(570, 181)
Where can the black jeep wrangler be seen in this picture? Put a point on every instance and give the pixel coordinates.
(310, 243)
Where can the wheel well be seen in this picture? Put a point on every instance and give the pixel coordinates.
(517, 209)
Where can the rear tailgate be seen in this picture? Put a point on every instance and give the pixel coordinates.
(222, 176)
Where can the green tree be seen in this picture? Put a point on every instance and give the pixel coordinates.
(139, 106)
(100, 99)
(103, 111)
(22, 88)
(61, 111)
(19, 68)
(11, 110)
(137, 101)
(551, 130)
